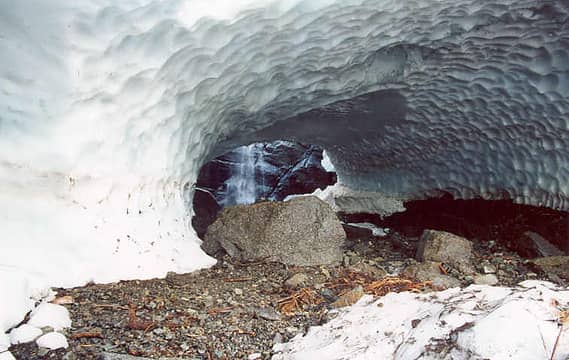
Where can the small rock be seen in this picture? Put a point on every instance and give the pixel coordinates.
(238, 291)
(488, 268)
(349, 298)
(296, 281)
(328, 295)
(487, 279)
(453, 250)
(267, 313)
(254, 356)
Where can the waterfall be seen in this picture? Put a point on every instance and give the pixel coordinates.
(241, 186)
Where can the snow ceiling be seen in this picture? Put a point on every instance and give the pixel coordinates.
(108, 108)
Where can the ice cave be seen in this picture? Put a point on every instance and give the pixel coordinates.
(109, 109)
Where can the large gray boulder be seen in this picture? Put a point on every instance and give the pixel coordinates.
(303, 231)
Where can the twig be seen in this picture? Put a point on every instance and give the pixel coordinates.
(556, 342)
(88, 334)
(215, 311)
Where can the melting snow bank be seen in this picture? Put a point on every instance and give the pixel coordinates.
(475, 322)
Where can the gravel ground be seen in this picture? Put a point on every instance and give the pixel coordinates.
(234, 311)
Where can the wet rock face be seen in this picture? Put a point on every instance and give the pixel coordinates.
(304, 231)
(269, 171)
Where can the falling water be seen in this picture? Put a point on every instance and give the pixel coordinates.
(241, 186)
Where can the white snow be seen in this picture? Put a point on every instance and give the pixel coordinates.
(4, 342)
(47, 314)
(6, 356)
(24, 333)
(53, 341)
(481, 321)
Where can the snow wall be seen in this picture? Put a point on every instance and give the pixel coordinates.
(108, 108)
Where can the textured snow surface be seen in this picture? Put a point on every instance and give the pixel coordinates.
(108, 108)
(24, 333)
(476, 322)
(46, 314)
(52, 340)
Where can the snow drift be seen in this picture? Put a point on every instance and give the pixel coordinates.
(108, 109)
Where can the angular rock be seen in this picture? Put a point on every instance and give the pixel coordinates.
(349, 298)
(430, 271)
(453, 250)
(303, 231)
(532, 245)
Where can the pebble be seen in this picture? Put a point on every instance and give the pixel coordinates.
(238, 291)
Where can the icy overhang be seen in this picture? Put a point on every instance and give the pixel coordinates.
(108, 108)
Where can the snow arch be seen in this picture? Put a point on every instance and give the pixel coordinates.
(108, 108)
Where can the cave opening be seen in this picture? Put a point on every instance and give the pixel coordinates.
(260, 171)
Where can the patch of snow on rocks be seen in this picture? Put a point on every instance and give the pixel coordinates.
(52, 341)
(47, 314)
(476, 322)
(24, 333)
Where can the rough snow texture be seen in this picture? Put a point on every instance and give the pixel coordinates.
(46, 314)
(108, 108)
(24, 333)
(479, 322)
(52, 341)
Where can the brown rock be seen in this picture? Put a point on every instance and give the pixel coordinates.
(349, 298)
(453, 250)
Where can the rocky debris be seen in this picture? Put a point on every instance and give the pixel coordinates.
(531, 245)
(431, 271)
(113, 356)
(446, 248)
(487, 279)
(349, 298)
(234, 310)
(556, 268)
(304, 231)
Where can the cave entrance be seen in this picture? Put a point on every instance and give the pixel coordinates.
(258, 171)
